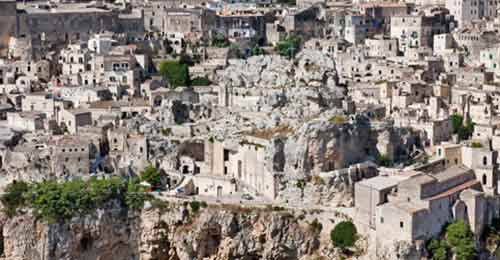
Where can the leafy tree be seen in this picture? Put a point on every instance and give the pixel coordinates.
(462, 240)
(288, 47)
(14, 197)
(220, 41)
(52, 201)
(439, 249)
(101, 191)
(464, 132)
(135, 196)
(195, 206)
(256, 50)
(344, 235)
(152, 176)
(176, 72)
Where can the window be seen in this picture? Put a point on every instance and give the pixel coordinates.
(484, 179)
(485, 160)
(439, 152)
(401, 224)
(381, 219)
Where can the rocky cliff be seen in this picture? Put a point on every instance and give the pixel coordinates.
(171, 232)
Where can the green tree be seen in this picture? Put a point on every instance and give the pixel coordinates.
(256, 50)
(220, 41)
(438, 249)
(464, 131)
(152, 176)
(14, 197)
(462, 240)
(135, 196)
(176, 72)
(288, 47)
(344, 235)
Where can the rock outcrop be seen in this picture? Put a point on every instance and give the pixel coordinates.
(169, 232)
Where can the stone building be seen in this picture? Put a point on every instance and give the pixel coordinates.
(413, 206)
(71, 157)
(467, 11)
(226, 168)
(72, 119)
(413, 31)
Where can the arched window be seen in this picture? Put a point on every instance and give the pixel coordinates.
(485, 160)
(484, 179)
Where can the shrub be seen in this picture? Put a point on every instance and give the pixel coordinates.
(476, 145)
(195, 206)
(438, 249)
(135, 196)
(166, 131)
(315, 226)
(152, 176)
(220, 41)
(52, 201)
(288, 47)
(463, 131)
(14, 197)
(256, 50)
(201, 81)
(344, 235)
(176, 72)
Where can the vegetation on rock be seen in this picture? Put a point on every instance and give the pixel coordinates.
(176, 72)
(152, 176)
(344, 235)
(288, 47)
(52, 200)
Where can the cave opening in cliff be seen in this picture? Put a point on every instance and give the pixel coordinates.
(86, 242)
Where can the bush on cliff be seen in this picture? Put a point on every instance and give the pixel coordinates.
(344, 235)
(14, 197)
(52, 200)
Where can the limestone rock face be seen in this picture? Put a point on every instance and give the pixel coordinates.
(314, 68)
(109, 234)
(258, 71)
(172, 233)
(320, 146)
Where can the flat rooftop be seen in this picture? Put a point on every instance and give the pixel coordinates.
(43, 7)
(382, 182)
